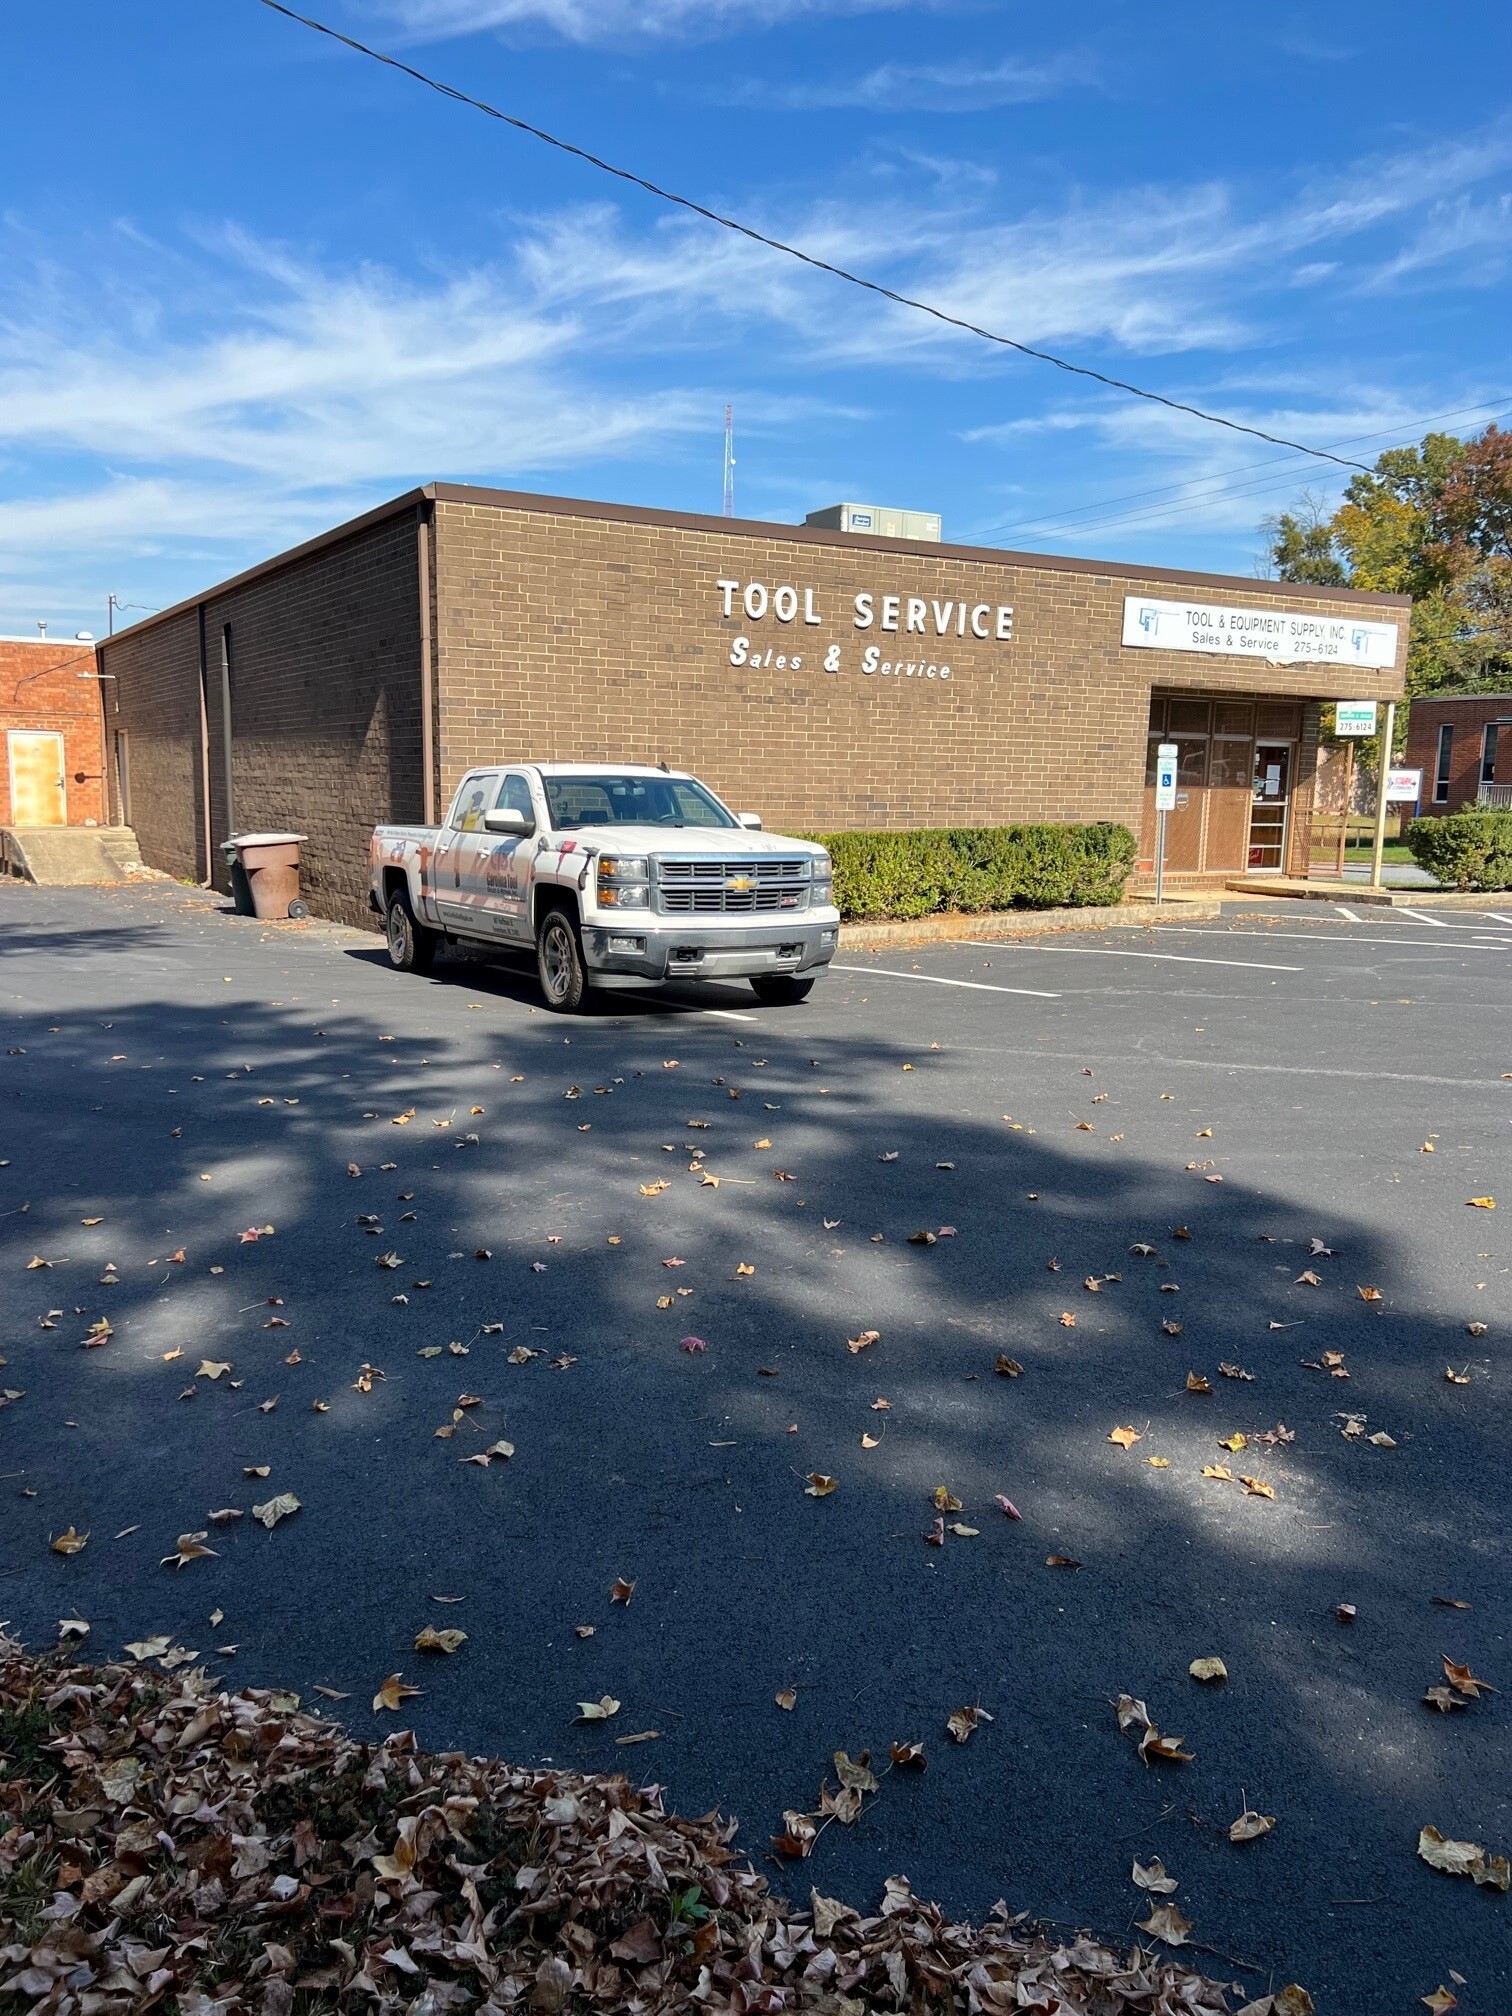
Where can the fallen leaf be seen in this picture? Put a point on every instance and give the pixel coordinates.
(392, 1692)
(965, 1532)
(1476, 1329)
(429, 1639)
(945, 1499)
(1158, 1462)
(620, 1591)
(70, 1542)
(1236, 1372)
(786, 1700)
(1257, 1487)
(820, 1486)
(598, 1711)
(1007, 1505)
(1382, 1440)
(1444, 1699)
(1456, 1378)
(962, 1723)
(1166, 1923)
(276, 1509)
(858, 1344)
(1370, 1294)
(1172, 1328)
(1440, 2002)
(1067, 1320)
(923, 1238)
(1211, 1668)
(909, 1756)
(1346, 1612)
(584, 1630)
(1152, 1876)
(641, 1736)
(1464, 1858)
(1197, 1382)
(1007, 1368)
(1250, 1826)
(1483, 1203)
(693, 1344)
(1125, 1437)
(1061, 1561)
(1311, 1279)
(1463, 1681)
(1235, 1442)
(1219, 1470)
(188, 1547)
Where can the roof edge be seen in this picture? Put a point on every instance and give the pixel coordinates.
(423, 494)
(820, 535)
(759, 528)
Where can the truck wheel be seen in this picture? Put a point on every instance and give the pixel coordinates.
(559, 961)
(782, 990)
(411, 947)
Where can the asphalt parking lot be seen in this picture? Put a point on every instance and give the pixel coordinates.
(173, 1079)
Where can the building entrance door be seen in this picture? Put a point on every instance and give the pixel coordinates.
(36, 778)
(1267, 835)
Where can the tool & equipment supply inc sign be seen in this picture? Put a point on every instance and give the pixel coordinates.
(1282, 637)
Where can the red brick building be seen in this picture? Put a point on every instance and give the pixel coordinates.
(52, 745)
(1462, 743)
(826, 679)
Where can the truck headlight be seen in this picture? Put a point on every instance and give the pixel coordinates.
(822, 868)
(822, 895)
(622, 881)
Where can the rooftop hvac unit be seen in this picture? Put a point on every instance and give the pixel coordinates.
(879, 520)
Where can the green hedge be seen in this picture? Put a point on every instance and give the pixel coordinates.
(978, 868)
(1466, 850)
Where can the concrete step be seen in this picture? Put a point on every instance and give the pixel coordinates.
(63, 856)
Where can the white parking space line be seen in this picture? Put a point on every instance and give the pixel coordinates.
(938, 980)
(1178, 958)
(1349, 939)
(1423, 917)
(1496, 917)
(1345, 911)
(728, 1014)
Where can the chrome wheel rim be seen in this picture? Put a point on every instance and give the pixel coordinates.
(556, 960)
(396, 935)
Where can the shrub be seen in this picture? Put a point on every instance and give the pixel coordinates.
(918, 874)
(1469, 850)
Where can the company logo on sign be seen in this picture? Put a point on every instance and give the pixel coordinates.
(739, 884)
(1149, 621)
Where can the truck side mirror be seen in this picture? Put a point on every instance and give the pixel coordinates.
(507, 820)
(750, 820)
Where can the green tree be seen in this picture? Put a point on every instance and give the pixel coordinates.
(1434, 522)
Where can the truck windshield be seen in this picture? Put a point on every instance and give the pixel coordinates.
(605, 799)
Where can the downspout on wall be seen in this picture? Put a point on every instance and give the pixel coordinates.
(427, 670)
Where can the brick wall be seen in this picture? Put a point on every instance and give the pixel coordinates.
(1469, 719)
(154, 699)
(56, 702)
(325, 656)
(565, 635)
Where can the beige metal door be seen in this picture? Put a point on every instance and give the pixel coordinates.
(36, 778)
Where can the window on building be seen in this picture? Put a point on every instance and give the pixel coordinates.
(1441, 769)
(1488, 753)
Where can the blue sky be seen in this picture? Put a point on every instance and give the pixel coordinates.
(251, 284)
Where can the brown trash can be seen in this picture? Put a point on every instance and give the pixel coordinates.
(269, 873)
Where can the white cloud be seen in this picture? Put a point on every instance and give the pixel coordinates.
(588, 21)
(965, 86)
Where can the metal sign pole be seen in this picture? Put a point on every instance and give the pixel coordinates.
(1167, 761)
(1378, 851)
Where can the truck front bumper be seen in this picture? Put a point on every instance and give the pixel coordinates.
(646, 953)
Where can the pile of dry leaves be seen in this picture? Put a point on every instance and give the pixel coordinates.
(164, 1844)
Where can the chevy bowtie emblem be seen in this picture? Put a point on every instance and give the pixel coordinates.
(739, 883)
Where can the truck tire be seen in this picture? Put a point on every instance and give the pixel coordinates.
(782, 990)
(411, 945)
(559, 963)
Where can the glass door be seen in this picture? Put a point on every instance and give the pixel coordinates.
(1268, 807)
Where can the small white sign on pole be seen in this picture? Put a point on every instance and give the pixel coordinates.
(1404, 787)
(1166, 758)
(1354, 717)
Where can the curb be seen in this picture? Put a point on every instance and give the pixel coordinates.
(954, 926)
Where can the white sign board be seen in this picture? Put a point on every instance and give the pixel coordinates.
(1284, 637)
(1165, 777)
(1404, 787)
(1354, 717)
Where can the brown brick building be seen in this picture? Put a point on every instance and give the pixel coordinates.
(825, 679)
(51, 753)
(1462, 743)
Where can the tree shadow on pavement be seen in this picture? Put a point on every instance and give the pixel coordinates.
(555, 1173)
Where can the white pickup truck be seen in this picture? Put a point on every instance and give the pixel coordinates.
(618, 877)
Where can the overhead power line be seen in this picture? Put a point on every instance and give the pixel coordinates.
(795, 252)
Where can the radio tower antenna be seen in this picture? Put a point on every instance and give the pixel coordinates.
(729, 463)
